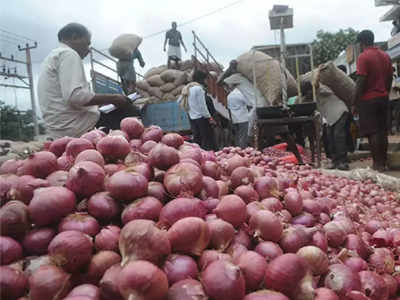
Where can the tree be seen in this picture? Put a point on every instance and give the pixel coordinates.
(327, 46)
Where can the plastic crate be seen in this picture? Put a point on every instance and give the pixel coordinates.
(168, 115)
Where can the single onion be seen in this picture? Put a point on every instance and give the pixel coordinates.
(71, 250)
(10, 250)
(10, 166)
(325, 294)
(268, 250)
(355, 243)
(190, 153)
(304, 219)
(189, 236)
(14, 219)
(110, 169)
(241, 176)
(59, 201)
(210, 204)
(211, 169)
(57, 178)
(180, 208)
(187, 289)
(156, 190)
(94, 135)
(183, 179)
(146, 147)
(76, 146)
(293, 202)
(133, 127)
(39, 165)
(90, 155)
(173, 140)
(189, 161)
(221, 234)
(234, 162)
(127, 186)
(86, 290)
(179, 267)
(64, 163)
(26, 184)
(231, 209)
(99, 264)
(266, 186)
(109, 283)
(13, 283)
(266, 295)
(163, 157)
(107, 238)
(312, 206)
(356, 264)
(253, 267)
(285, 272)
(242, 237)
(335, 234)
(148, 208)
(210, 188)
(266, 225)
(143, 280)
(253, 207)
(341, 279)
(316, 259)
(272, 204)
(209, 256)
(373, 285)
(223, 188)
(247, 193)
(113, 147)
(82, 222)
(319, 240)
(142, 240)
(235, 251)
(141, 168)
(36, 241)
(382, 260)
(223, 280)
(381, 238)
(372, 226)
(103, 207)
(48, 283)
(293, 238)
(152, 133)
(134, 158)
(86, 178)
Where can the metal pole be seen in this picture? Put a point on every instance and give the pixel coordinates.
(283, 66)
(283, 45)
(298, 80)
(312, 74)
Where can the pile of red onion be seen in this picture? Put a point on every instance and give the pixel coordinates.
(137, 214)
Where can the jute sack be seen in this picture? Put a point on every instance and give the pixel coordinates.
(267, 73)
(155, 71)
(181, 79)
(145, 94)
(342, 85)
(156, 92)
(169, 97)
(168, 87)
(124, 45)
(186, 65)
(143, 85)
(291, 84)
(155, 80)
(170, 75)
(177, 91)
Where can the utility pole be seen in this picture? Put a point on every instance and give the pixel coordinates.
(27, 50)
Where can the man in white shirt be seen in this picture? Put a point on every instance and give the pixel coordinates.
(68, 106)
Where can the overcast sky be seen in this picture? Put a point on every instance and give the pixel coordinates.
(227, 33)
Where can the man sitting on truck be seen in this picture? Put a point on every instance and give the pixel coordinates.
(68, 105)
(175, 41)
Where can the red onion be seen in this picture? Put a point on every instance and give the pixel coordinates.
(183, 179)
(33, 263)
(241, 176)
(148, 208)
(223, 188)
(272, 204)
(10, 166)
(58, 146)
(173, 140)
(71, 250)
(232, 209)
(391, 284)
(316, 259)
(133, 127)
(142, 240)
(223, 280)
(312, 206)
(180, 208)
(39, 165)
(163, 156)
(324, 218)
(211, 169)
(90, 155)
(355, 243)
(234, 162)
(210, 204)
(141, 168)
(356, 295)
(284, 273)
(341, 279)
(113, 147)
(266, 225)
(253, 267)
(76, 146)
(382, 260)
(110, 169)
(191, 153)
(103, 207)
(49, 283)
(14, 219)
(293, 202)
(36, 241)
(146, 147)
(253, 207)
(356, 264)
(26, 184)
(94, 135)
(99, 264)
(266, 295)
(109, 283)
(293, 239)
(372, 226)
(7, 182)
(88, 290)
(319, 240)
(189, 161)
(127, 186)
(86, 178)
(134, 158)
(209, 256)
(268, 250)
(373, 285)
(335, 234)
(64, 163)
(179, 267)
(210, 188)
(257, 171)
(156, 190)
(10, 250)
(304, 219)
(247, 193)
(187, 289)
(107, 238)
(235, 251)
(221, 233)
(80, 222)
(242, 237)
(152, 133)
(135, 144)
(325, 294)
(57, 178)
(266, 187)
(13, 283)
(381, 238)
(189, 236)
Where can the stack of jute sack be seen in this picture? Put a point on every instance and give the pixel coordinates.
(269, 75)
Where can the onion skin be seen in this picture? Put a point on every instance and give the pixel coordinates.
(354, 242)
(173, 140)
(64, 163)
(86, 178)
(80, 222)
(37, 240)
(209, 256)
(253, 267)
(99, 264)
(14, 219)
(109, 283)
(266, 186)
(211, 169)
(266, 225)
(179, 267)
(247, 193)
(234, 162)
(113, 148)
(268, 250)
(142, 168)
(188, 289)
(25, 187)
(210, 188)
(133, 127)
(180, 208)
(57, 178)
(10, 250)
(221, 233)
(76, 146)
(391, 284)
(266, 295)
(189, 236)
(319, 239)
(316, 259)
(90, 155)
(293, 202)
(373, 285)
(223, 280)
(143, 280)
(382, 260)
(325, 294)
(103, 207)
(107, 238)
(232, 209)
(143, 208)
(71, 250)
(40, 165)
(49, 283)
(142, 240)
(183, 179)
(152, 133)
(293, 239)
(341, 279)
(59, 200)
(13, 283)
(163, 157)
(94, 135)
(241, 176)
(88, 290)
(157, 190)
(146, 147)
(272, 204)
(126, 186)
(335, 234)
(10, 166)
(356, 264)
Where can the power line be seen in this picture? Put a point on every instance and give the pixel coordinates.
(17, 35)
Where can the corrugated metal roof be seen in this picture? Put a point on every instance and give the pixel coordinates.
(392, 14)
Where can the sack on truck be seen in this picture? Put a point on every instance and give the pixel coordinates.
(124, 45)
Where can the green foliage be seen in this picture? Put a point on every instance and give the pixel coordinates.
(327, 46)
